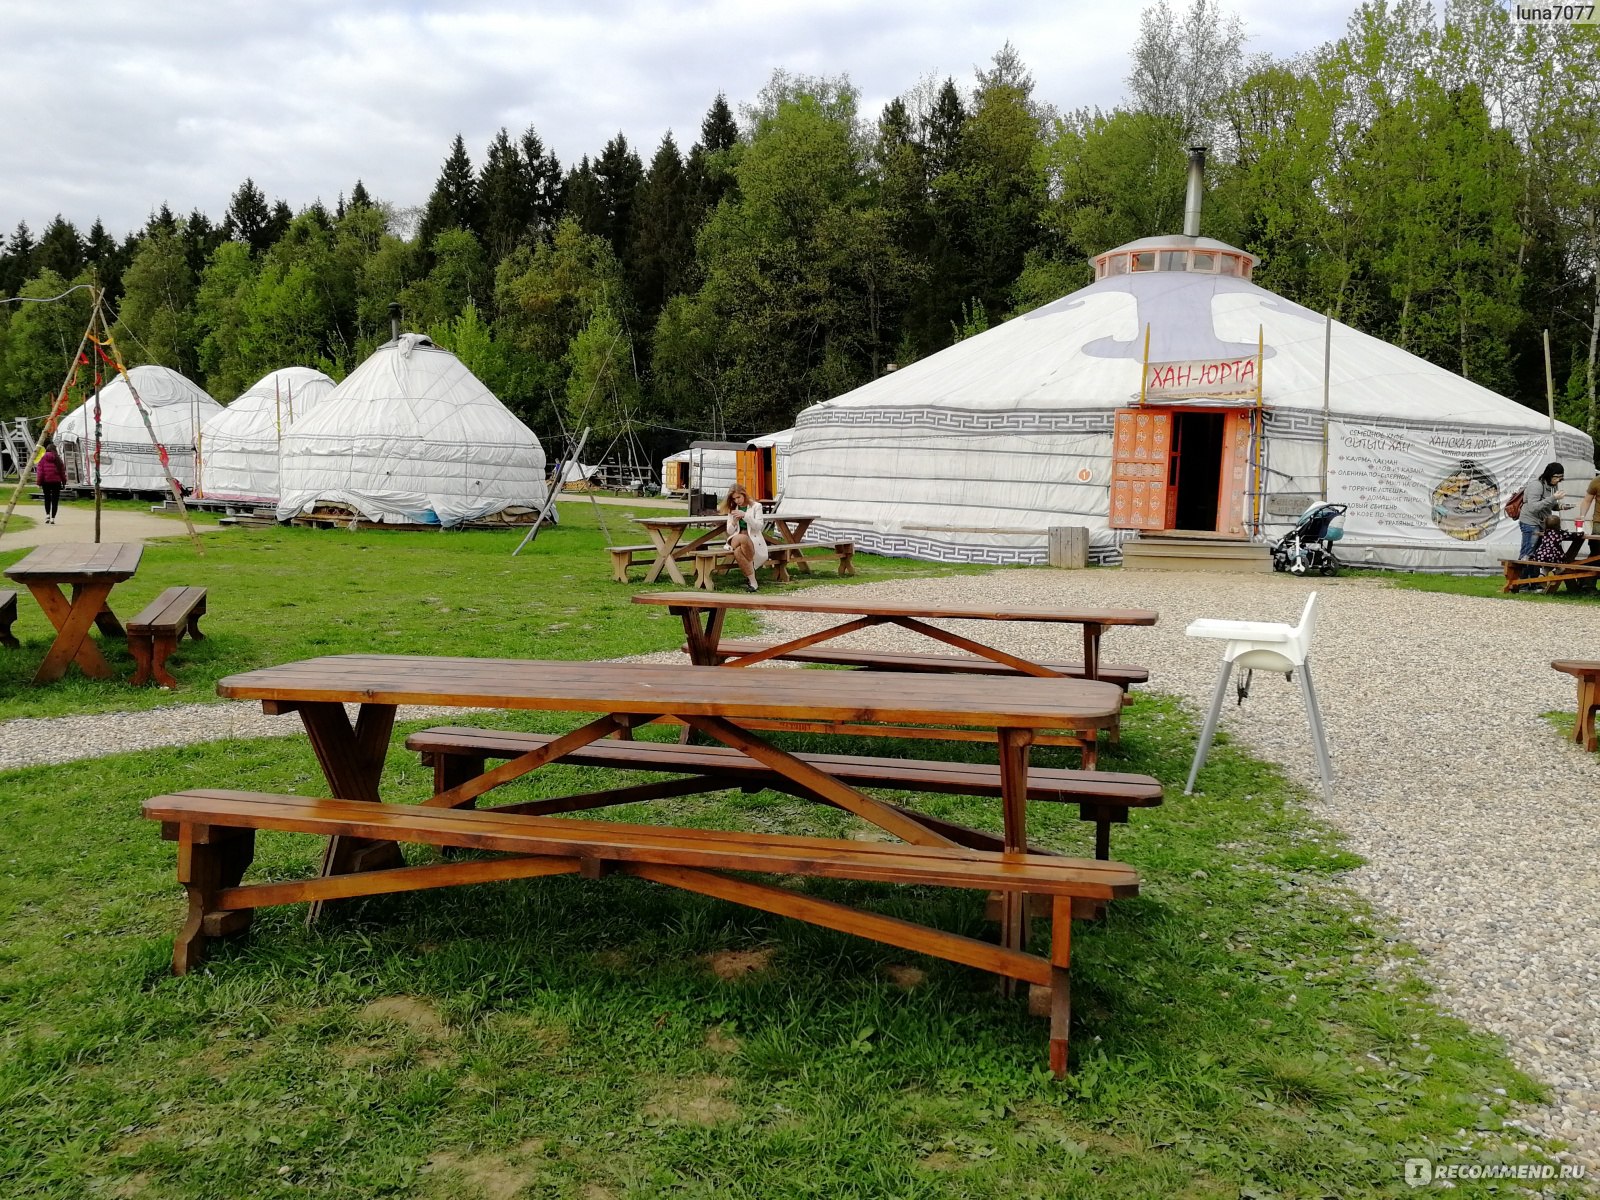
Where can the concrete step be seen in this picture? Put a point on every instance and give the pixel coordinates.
(1196, 554)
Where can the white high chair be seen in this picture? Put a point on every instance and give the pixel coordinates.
(1264, 646)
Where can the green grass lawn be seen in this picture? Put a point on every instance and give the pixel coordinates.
(1245, 1028)
(280, 594)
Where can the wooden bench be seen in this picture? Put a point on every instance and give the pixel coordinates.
(1547, 575)
(8, 618)
(458, 753)
(153, 635)
(949, 664)
(215, 832)
(1588, 677)
(623, 557)
(780, 558)
(796, 555)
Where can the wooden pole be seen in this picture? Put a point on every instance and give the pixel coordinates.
(1144, 370)
(1261, 428)
(54, 419)
(1550, 391)
(172, 482)
(1327, 370)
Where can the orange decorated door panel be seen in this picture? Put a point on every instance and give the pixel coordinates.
(1233, 486)
(1141, 444)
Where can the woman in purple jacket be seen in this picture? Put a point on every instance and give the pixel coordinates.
(50, 473)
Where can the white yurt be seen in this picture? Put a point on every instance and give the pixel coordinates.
(675, 474)
(1171, 396)
(703, 467)
(239, 446)
(178, 410)
(411, 437)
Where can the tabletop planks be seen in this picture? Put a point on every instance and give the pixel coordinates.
(891, 608)
(70, 562)
(651, 688)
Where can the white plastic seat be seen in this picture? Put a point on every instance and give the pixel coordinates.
(1263, 646)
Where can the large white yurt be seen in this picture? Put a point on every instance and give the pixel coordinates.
(1216, 425)
(411, 437)
(239, 446)
(178, 410)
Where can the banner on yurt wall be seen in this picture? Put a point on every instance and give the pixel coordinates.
(1201, 379)
(1438, 486)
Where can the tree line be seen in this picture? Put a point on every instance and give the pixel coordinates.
(1432, 179)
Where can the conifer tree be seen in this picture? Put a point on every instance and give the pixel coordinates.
(505, 190)
(581, 199)
(16, 264)
(454, 203)
(661, 246)
(359, 196)
(248, 217)
(60, 249)
(620, 174)
(544, 180)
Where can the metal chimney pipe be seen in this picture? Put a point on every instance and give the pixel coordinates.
(394, 319)
(1191, 203)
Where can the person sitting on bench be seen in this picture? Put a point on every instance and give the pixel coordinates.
(746, 536)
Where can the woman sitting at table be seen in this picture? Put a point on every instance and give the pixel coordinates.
(746, 538)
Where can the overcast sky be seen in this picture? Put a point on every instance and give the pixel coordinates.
(112, 106)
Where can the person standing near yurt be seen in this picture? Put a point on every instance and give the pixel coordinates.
(50, 473)
(1540, 498)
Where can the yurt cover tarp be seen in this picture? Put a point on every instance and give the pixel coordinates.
(411, 437)
(239, 446)
(178, 409)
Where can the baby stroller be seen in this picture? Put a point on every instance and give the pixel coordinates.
(1309, 545)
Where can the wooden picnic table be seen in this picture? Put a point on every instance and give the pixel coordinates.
(703, 615)
(667, 534)
(718, 703)
(91, 571)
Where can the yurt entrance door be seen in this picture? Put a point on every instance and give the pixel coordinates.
(1180, 469)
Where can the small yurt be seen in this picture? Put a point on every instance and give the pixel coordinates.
(772, 464)
(411, 438)
(675, 474)
(1173, 398)
(178, 410)
(239, 446)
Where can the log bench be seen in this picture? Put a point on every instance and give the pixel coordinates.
(457, 754)
(1588, 676)
(8, 617)
(215, 832)
(153, 635)
(944, 664)
(798, 555)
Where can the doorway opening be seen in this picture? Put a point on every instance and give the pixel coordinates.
(1195, 475)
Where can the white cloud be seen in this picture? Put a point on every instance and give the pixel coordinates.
(116, 107)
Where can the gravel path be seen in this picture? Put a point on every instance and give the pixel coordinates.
(1481, 826)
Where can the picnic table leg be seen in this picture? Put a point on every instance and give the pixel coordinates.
(666, 541)
(105, 620)
(72, 620)
(352, 761)
(702, 640)
(793, 533)
(1091, 649)
(1060, 991)
(1014, 745)
(1588, 698)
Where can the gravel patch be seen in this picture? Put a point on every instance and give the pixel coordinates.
(1480, 825)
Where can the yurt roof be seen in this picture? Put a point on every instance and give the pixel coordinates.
(410, 387)
(159, 388)
(780, 438)
(1086, 351)
(280, 393)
